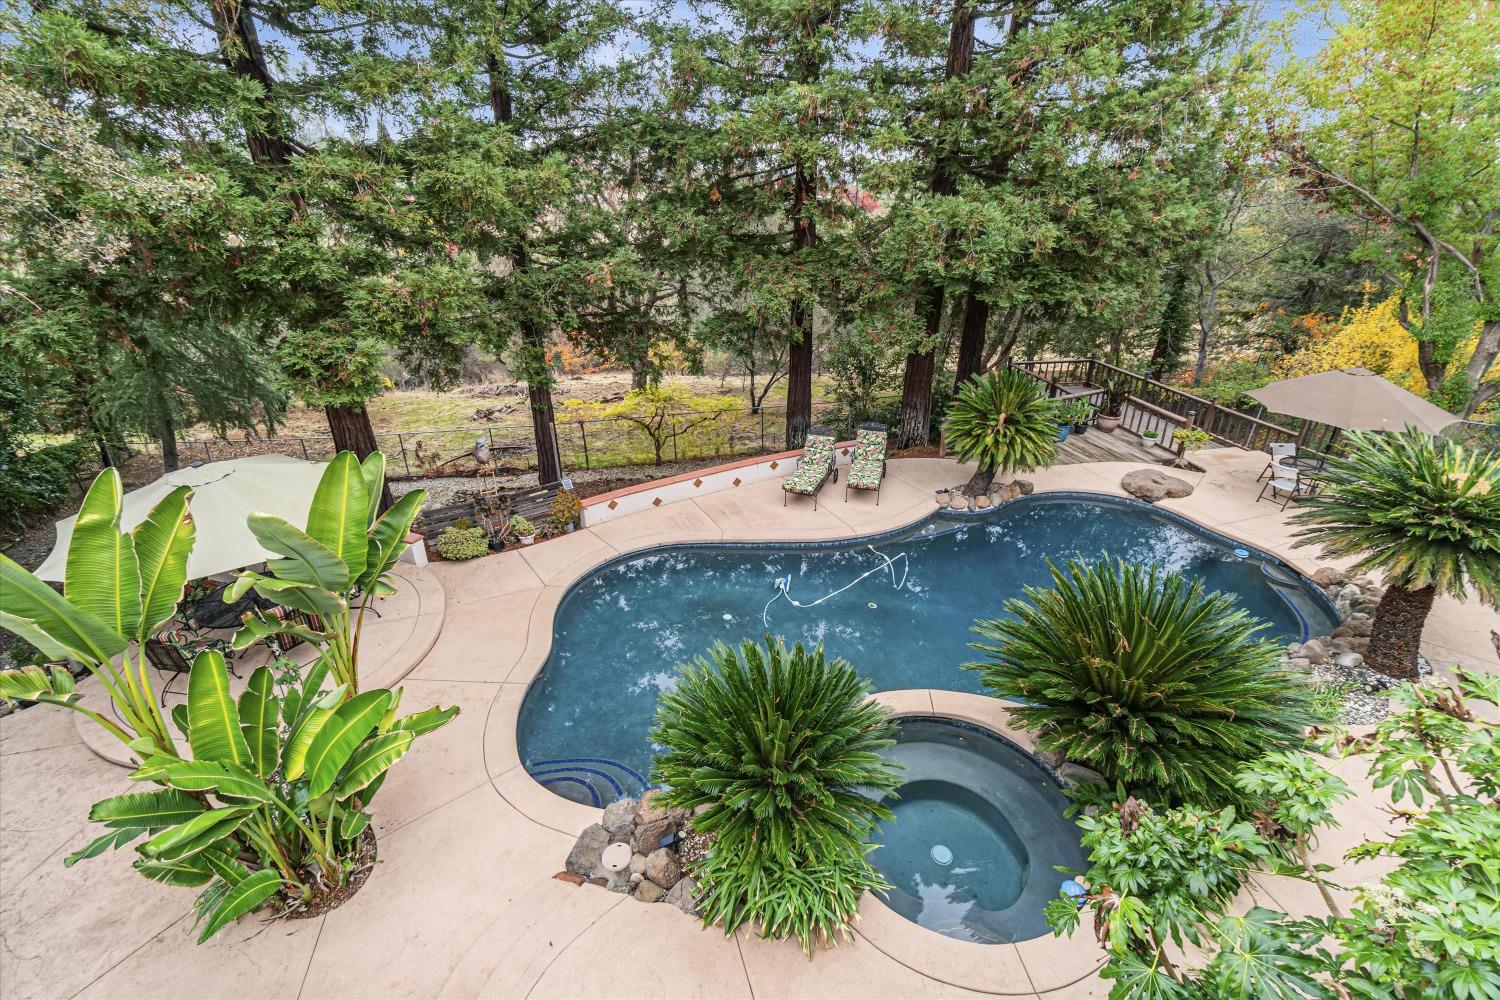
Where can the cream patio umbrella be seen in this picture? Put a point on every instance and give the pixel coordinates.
(1352, 399)
(224, 494)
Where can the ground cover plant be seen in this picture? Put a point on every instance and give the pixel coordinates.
(777, 749)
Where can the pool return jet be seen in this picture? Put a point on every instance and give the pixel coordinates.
(783, 584)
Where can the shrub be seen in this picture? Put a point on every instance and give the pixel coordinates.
(462, 543)
(521, 526)
(34, 483)
(566, 509)
(780, 749)
(1003, 422)
(1140, 675)
(1423, 512)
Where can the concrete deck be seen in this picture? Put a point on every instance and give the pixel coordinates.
(463, 902)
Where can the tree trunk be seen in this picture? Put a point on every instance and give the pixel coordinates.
(1207, 311)
(979, 483)
(1396, 635)
(352, 431)
(544, 430)
(916, 385)
(169, 459)
(800, 355)
(971, 340)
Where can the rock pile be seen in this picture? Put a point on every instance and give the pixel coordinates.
(1339, 656)
(958, 497)
(634, 849)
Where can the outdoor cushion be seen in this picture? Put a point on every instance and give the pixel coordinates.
(867, 461)
(813, 469)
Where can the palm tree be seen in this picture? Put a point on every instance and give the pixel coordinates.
(1423, 512)
(1137, 673)
(1004, 422)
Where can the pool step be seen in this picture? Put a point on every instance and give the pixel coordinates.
(595, 781)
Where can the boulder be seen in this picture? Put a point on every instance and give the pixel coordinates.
(1327, 576)
(584, 857)
(650, 836)
(619, 817)
(649, 809)
(637, 864)
(662, 867)
(681, 896)
(959, 503)
(1052, 758)
(1298, 663)
(1315, 651)
(1153, 485)
(1073, 775)
(1349, 660)
(649, 892)
(619, 882)
(1344, 603)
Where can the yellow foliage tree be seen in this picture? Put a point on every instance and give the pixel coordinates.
(1369, 336)
(665, 414)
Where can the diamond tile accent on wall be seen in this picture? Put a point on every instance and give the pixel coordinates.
(773, 465)
(697, 482)
(656, 502)
(613, 504)
(736, 480)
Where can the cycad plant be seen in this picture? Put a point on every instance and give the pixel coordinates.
(1137, 673)
(1004, 423)
(1422, 512)
(779, 750)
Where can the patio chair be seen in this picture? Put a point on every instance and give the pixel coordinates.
(814, 468)
(867, 464)
(1287, 485)
(172, 651)
(1280, 463)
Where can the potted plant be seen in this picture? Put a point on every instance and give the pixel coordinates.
(1189, 439)
(566, 509)
(524, 529)
(1079, 413)
(1115, 394)
(1149, 435)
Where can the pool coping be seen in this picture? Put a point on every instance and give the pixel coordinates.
(1046, 963)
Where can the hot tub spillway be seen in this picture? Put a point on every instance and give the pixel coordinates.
(978, 828)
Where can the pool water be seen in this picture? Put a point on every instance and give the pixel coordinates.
(898, 607)
(978, 833)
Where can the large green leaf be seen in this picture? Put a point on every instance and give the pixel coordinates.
(190, 871)
(73, 632)
(339, 515)
(146, 810)
(259, 708)
(213, 719)
(207, 776)
(301, 596)
(111, 841)
(197, 834)
(307, 559)
(34, 683)
(388, 538)
(373, 471)
(426, 720)
(102, 577)
(294, 757)
(163, 542)
(341, 736)
(372, 760)
(241, 899)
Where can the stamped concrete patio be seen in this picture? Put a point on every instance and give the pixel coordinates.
(463, 902)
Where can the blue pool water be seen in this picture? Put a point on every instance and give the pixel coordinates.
(977, 836)
(900, 611)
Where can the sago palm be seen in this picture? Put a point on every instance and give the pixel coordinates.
(1004, 423)
(1137, 673)
(778, 750)
(1421, 512)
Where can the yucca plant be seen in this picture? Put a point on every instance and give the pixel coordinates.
(120, 588)
(1423, 513)
(335, 568)
(1137, 673)
(271, 803)
(1004, 423)
(778, 750)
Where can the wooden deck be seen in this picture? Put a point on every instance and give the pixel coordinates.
(1099, 446)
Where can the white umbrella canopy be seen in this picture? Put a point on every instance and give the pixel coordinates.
(1353, 399)
(224, 494)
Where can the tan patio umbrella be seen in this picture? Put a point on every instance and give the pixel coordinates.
(1352, 399)
(224, 494)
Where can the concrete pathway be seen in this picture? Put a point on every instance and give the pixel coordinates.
(463, 902)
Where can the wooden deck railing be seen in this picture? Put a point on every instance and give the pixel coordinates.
(1157, 406)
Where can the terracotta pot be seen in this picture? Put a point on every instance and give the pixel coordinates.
(1106, 423)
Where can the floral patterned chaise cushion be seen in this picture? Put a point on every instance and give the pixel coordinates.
(817, 460)
(867, 462)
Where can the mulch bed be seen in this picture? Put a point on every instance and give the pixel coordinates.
(333, 898)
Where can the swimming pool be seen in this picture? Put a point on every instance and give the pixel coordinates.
(896, 606)
(978, 834)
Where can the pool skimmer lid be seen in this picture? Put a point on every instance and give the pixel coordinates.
(942, 855)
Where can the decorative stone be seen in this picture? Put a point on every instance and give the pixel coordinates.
(1327, 576)
(1315, 651)
(1153, 485)
(619, 817)
(637, 864)
(649, 809)
(619, 882)
(584, 857)
(681, 896)
(649, 892)
(1073, 775)
(982, 502)
(1349, 660)
(649, 836)
(1052, 758)
(662, 866)
(958, 503)
(1298, 663)
(1025, 486)
(616, 857)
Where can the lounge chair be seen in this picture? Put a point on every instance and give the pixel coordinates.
(867, 463)
(814, 468)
